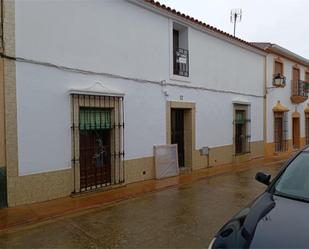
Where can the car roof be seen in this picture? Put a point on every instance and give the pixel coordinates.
(306, 149)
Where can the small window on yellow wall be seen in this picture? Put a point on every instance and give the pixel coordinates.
(278, 68)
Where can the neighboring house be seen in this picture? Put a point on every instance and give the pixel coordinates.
(287, 111)
(92, 86)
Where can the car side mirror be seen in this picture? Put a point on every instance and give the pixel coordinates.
(263, 178)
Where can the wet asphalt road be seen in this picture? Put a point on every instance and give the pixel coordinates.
(182, 217)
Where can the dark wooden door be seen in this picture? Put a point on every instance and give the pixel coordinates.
(307, 128)
(95, 158)
(240, 131)
(177, 132)
(296, 133)
(3, 192)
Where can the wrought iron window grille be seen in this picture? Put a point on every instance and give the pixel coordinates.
(97, 141)
(280, 131)
(300, 88)
(181, 62)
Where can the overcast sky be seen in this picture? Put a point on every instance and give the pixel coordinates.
(284, 22)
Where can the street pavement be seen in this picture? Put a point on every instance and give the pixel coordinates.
(185, 216)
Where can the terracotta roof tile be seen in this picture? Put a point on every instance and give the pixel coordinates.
(196, 21)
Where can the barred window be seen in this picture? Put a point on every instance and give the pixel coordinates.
(280, 131)
(97, 141)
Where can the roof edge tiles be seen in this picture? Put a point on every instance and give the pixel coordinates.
(169, 10)
(276, 49)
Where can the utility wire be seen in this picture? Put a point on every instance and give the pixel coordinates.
(115, 76)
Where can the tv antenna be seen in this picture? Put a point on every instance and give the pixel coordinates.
(236, 15)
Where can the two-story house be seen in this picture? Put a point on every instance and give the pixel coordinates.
(90, 87)
(287, 112)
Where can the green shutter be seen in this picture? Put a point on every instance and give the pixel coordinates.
(94, 119)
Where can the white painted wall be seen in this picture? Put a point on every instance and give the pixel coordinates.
(217, 64)
(44, 135)
(120, 38)
(284, 95)
(111, 36)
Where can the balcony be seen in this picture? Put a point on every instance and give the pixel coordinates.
(300, 90)
(181, 62)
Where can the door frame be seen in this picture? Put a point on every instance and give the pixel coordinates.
(246, 107)
(189, 129)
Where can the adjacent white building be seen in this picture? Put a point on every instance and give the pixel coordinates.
(287, 109)
(92, 86)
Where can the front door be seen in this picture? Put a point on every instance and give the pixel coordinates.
(307, 128)
(177, 132)
(3, 201)
(240, 132)
(296, 133)
(95, 148)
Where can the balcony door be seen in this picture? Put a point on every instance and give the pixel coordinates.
(296, 74)
(296, 77)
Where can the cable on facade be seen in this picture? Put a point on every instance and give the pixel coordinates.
(115, 76)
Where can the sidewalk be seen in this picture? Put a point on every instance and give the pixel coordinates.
(29, 214)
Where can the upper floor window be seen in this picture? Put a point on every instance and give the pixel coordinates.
(278, 77)
(278, 68)
(180, 50)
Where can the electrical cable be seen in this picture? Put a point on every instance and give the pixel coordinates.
(115, 76)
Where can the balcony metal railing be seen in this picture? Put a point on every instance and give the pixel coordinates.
(300, 88)
(181, 62)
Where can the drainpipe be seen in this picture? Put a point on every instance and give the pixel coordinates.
(265, 106)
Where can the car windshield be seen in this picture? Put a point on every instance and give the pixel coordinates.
(294, 182)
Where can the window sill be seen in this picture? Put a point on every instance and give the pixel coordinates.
(180, 78)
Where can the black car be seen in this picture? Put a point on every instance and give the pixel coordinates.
(278, 218)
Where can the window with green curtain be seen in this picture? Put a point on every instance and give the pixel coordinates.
(94, 119)
(240, 117)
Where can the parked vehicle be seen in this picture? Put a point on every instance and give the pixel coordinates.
(279, 217)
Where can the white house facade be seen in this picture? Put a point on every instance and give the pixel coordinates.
(92, 86)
